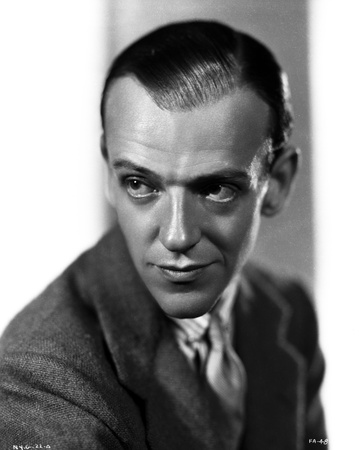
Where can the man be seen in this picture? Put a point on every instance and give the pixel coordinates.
(160, 337)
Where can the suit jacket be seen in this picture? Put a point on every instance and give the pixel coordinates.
(92, 363)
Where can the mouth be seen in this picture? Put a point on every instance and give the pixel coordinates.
(182, 274)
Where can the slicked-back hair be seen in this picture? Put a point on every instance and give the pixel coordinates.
(187, 65)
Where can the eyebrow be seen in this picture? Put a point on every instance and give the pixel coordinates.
(220, 175)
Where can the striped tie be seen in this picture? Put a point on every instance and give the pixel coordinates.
(224, 370)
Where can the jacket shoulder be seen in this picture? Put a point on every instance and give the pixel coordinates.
(57, 377)
(293, 298)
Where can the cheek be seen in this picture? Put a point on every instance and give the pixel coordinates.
(136, 226)
(238, 233)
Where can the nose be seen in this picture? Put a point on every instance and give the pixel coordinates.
(179, 230)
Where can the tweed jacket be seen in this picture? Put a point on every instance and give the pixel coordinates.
(92, 363)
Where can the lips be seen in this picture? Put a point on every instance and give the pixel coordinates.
(182, 274)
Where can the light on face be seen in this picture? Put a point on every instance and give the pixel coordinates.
(187, 187)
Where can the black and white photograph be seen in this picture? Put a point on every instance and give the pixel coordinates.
(180, 224)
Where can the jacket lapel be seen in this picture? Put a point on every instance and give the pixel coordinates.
(275, 369)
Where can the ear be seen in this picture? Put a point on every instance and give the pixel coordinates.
(281, 180)
(108, 187)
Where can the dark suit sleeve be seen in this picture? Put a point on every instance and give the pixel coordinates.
(58, 387)
(304, 334)
(33, 413)
(39, 408)
(315, 426)
(315, 422)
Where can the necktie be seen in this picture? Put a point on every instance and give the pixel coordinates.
(206, 342)
(224, 370)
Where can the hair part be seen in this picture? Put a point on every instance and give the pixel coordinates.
(187, 65)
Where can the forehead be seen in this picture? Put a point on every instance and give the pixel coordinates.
(236, 127)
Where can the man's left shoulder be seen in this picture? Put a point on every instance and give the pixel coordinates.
(289, 296)
(281, 288)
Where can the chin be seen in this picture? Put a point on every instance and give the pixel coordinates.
(186, 306)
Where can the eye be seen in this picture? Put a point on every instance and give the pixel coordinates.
(220, 193)
(138, 189)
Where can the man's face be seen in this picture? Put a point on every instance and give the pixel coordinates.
(187, 188)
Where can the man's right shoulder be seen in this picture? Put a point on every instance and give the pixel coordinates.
(57, 379)
(65, 307)
(60, 310)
